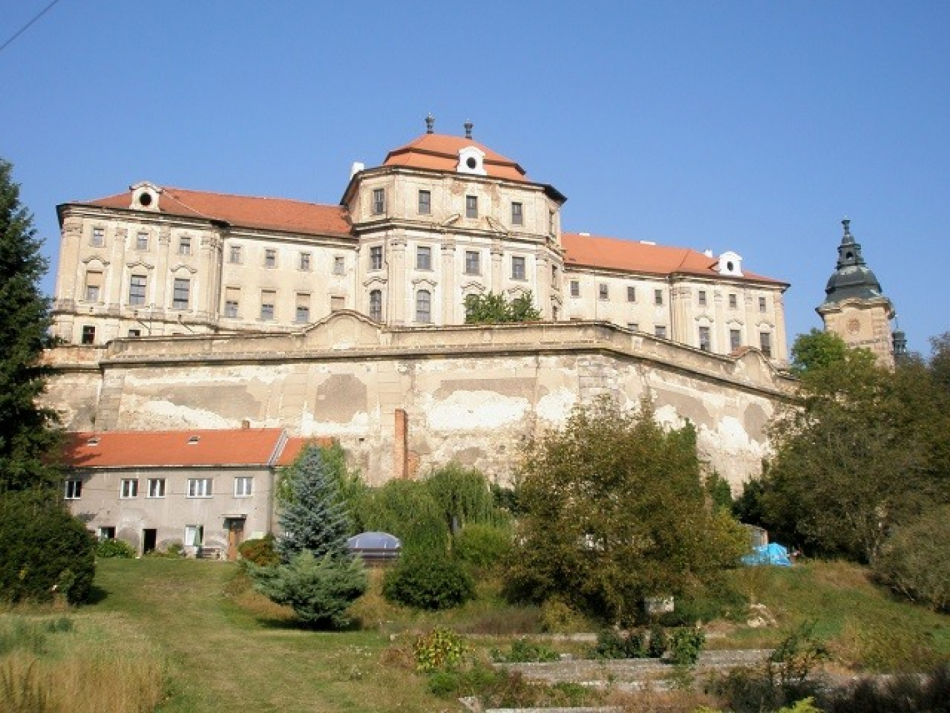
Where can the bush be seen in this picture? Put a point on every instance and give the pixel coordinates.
(44, 551)
(439, 650)
(482, 546)
(685, 646)
(613, 644)
(428, 580)
(260, 551)
(524, 651)
(115, 548)
(915, 560)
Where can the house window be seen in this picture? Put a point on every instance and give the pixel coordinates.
(704, 339)
(199, 487)
(302, 311)
(180, 293)
(575, 288)
(472, 262)
(93, 285)
(270, 257)
(425, 202)
(379, 201)
(631, 293)
(234, 255)
(702, 298)
(304, 262)
(105, 533)
(137, 289)
(376, 305)
(517, 268)
(243, 486)
(337, 303)
(129, 488)
(423, 306)
(98, 238)
(733, 302)
(765, 343)
(141, 241)
(471, 206)
(735, 339)
(517, 214)
(376, 257)
(423, 258)
(184, 245)
(660, 331)
(135, 332)
(761, 304)
(73, 489)
(658, 297)
(339, 265)
(194, 535)
(633, 326)
(156, 488)
(88, 334)
(232, 297)
(268, 299)
(603, 291)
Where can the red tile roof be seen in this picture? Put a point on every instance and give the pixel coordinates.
(117, 449)
(631, 256)
(440, 152)
(294, 445)
(245, 211)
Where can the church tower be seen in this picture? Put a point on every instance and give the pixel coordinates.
(854, 306)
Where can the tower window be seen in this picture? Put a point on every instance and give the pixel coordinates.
(603, 292)
(735, 339)
(181, 293)
(184, 245)
(517, 268)
(658, 297)
(270, 258)
(575, 288)
(88, 334)
(517, 214)
(471, 206)
(141, 241)
(425, 202)
(631, 293)
(765, 343)
(137, 284)
(376, 305)
(762, 304)
(376, 258)
(423, 306)
(472, 263)
(234, 255)
(379, 201)
(733, 301)
(702, 298)
(704, 343)
(423, 258)
(304, 262)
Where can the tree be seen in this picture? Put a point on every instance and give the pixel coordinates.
(495, 308)
(817, 349)
(614, 511)
(28, 442)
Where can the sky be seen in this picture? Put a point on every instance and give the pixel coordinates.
(723, 125)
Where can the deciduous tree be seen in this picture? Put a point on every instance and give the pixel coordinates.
(495, 309)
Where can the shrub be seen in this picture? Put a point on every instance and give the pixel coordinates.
(406, 509)
(260, 551)
(557, 616)
(613, 644)
(685, 646)
(44, 551)
(915, 560)
(428, 580)
(481, 545)
(115, 548)
(438, 650)
(524, 651)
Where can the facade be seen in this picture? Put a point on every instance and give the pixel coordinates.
(441, 218)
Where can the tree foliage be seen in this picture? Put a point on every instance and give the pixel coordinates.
(816, 350)
(495, 308)
(614, 511)
(915, 560)
(27, 440)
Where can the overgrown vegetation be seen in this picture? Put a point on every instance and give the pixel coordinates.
(495, 308)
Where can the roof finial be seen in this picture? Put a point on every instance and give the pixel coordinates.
(847, 226)
(468, 129)
(430, 122)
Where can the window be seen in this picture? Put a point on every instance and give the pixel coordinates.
(337, 303)
(141, 241)
(379, 201)
(302, 311)
(304, 262)
(423, 306)
(517, 268)
(156, 488)
(98, 238)
(765, 343)
(425, 202)
(199, 487)
(105, 533)
(232, 297)
(660, 331)
(129, 488)
(339, 265)
(702, 298)
(472, 262)
(631, 293)
(184, 245)
(243, 486)
(234, 255)
(761, 304)
(376, 305)
(268, 299)
(180, 294)
(603, 291)
(517, 214)
(93, 285)
(73, 489)
(575, 288)
(735, 339)
(137, 289)
(733, 302)
(194, 535)
(423, 258)
(88, 334)
(633, 326)
(704, 339)
(471, 206)
(270, 257)
(376, 257)
(658, 297)
(135, 332)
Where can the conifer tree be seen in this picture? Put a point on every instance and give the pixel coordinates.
(26, 436)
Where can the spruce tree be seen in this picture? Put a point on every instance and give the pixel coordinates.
(27, 440)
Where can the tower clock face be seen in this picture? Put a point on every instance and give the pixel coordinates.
(854, 326)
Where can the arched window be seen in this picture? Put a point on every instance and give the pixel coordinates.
(376, 305)
(423, 306)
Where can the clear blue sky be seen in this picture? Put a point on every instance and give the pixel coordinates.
(750, 126)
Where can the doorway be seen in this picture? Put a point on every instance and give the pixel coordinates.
(149, 539)
(235, 537)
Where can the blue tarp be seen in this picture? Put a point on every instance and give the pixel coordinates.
(772, 553)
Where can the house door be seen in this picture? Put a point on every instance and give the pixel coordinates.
(149, 539)
(235, 538)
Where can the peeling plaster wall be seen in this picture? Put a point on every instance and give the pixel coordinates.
(470, 393)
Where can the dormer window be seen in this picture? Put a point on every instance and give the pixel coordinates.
(145, 196)
(471, 160)
(730, 263)
(192, 440)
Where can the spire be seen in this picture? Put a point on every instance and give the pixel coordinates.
(468, 129)
(851, 278)
(430, 123)
(849, 252)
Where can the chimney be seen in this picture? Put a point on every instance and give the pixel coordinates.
(356, 168)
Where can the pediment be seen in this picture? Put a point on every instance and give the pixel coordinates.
(343, 329)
